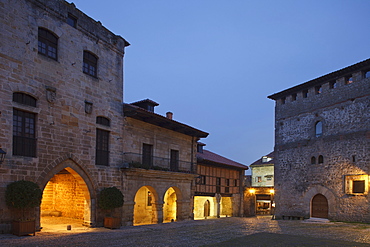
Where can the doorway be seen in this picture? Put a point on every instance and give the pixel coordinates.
(319, 207)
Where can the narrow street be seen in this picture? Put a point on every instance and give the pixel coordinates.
(255, 231)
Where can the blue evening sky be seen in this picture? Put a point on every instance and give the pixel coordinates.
(213, 63)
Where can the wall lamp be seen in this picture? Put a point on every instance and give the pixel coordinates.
(2, 155)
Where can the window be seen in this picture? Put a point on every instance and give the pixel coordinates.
(235, 182)
(102, 142)
(318, 129)
(202, 179)
(174, 160)
(349, 79)
(47, 43)
(147, 158)
(353, 158)
(103, 121)
(283, 99)
(305, 93)
(313, 160)
(24, 127)
(149, 199)
(258, 179)
(102, 147)
(294, 97)
(218, 185)
(333, 84)
(357, 184)
(72, 21)
(318, 89)
(90, 64)
(227, 189)
(367, 74)
(321, 159)
(24, 133)
(24, 99)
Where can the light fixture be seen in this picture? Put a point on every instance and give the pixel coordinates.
(272, 191)
(252, 191)
(2, 155)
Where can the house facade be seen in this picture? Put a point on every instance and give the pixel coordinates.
(159, 165)
(65, 126)
(219, 186)
(259, 196)
(322, 143)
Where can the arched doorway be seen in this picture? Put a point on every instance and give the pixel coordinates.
(207, 209)
(319, 207)
(66, 201)
(144, 208)
(170, 206)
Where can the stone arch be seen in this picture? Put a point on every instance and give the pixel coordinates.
(319, 189)
(81, 179)
(47, 25)
(172, 204)
(146, 206)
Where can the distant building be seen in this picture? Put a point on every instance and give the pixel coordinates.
(322, 130)
(219, 186)
(259, 195)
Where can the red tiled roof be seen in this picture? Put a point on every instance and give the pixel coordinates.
(215, 158)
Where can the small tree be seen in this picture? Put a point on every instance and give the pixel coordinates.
(23, 194)
(110, 198)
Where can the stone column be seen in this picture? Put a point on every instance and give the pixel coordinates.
(218, 202)
(157, 213)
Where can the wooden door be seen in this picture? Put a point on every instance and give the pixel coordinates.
(207, 209)
(320, 206)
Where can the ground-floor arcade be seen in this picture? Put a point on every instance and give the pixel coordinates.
(214, 206)
(153, 196)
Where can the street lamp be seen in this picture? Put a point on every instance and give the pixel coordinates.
(2, 155)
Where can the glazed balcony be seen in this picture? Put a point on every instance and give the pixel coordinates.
(135, 160)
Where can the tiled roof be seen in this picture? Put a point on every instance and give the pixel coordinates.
(208, 156)
(259, 161)
(141, 114)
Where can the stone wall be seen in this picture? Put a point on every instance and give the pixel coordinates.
(343, 146)
(65, 131)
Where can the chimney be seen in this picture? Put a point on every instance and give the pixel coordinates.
(169, 115)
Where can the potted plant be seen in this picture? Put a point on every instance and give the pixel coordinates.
(109, 199)
(22, 195)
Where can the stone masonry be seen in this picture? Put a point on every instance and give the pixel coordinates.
(322, 146)
(65, 128)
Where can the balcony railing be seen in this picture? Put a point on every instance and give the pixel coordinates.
(135, 160)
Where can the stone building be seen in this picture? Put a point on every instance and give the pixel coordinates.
(64, 124)
(259, 197)
(219, 186)
(160, 165)
(322, 144)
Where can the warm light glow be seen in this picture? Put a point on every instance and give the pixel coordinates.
(252, 191)
(272, 191)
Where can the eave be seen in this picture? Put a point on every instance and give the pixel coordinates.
(143, 115)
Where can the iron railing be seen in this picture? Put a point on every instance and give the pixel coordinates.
(135, 160)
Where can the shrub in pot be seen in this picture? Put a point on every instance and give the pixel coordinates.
(23, 195)
(109, 199)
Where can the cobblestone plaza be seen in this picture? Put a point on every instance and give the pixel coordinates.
(255, 231)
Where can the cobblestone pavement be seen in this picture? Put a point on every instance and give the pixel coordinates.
(255, 231)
